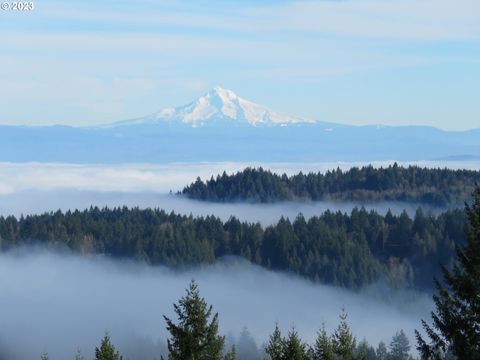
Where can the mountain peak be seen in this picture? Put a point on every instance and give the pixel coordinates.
(220, 104)
(219, 90)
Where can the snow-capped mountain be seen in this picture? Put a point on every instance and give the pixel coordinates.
(220, 127)
(219, 104)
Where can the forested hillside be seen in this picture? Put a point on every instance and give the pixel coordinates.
(344, 250)
(439, 187)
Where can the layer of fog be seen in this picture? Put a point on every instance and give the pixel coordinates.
(35, 202)
(32, 188)
(16, 177)
(57, 303)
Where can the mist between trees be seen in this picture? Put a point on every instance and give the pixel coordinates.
(194, 335)
(57, 302)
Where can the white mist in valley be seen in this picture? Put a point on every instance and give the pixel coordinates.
(159, 178)
(60, 302)
(34, 188)
(37, 202)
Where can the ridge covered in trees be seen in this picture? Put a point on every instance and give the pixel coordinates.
(347, 250)
(438, 187)
(454, 333)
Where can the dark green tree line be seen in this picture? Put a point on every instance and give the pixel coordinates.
(348, 250)
(440, 187)
(340, 345)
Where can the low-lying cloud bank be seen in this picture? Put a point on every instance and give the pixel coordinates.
(32, 188)
(60, 302)
(160, 178)
(37, 202)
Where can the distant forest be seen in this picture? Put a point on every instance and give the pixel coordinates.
(347, 250)
(438, 187)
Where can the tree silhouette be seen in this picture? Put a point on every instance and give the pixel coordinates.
(107, 350)
(399, 347)
(456, 319)
(195, 337)
(343, 341)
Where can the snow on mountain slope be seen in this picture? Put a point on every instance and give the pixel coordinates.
(219, 103)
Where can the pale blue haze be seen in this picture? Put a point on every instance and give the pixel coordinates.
(409, 62)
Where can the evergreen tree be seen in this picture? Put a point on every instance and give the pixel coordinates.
(399, 347)
(343, 341)
(323, 348)
(276, 344)
(365, 351)
(231, 355)
(246, 348)
(361, 351)
(294, 348)
(195, 337)
(107, 351)
(382, 352)
(456, 320)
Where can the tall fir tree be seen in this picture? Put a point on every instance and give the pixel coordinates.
(246, 348)
(366, 351)
(195, 337)
(400, 347)
(382, 352)
(344, 342)
(107, 351)
(294, 348)
(323, 347)
(456, 319)
(276, 344)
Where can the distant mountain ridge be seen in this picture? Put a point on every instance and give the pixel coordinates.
(221, 126)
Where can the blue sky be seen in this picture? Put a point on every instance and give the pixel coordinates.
(357, 62)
